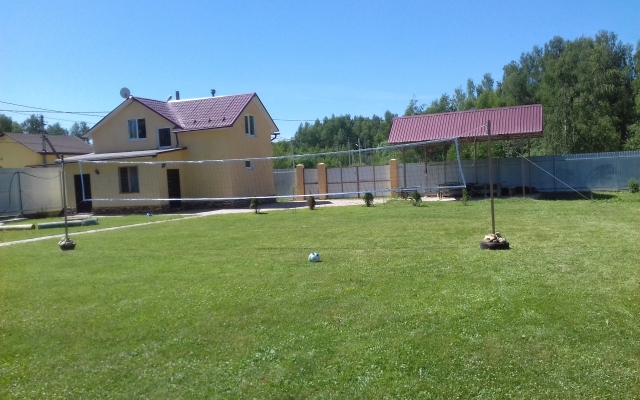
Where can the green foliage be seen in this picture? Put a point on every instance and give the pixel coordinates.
(254, 204)
(341, 133)
(416, 197)
(465, 197)
(6, 124)
(634, 187)
(311, 202)
(32, 125)
(78, 129)
(633, 141)
(56, 129)
(368, 199)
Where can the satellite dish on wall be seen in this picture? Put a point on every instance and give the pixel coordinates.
(125, 93)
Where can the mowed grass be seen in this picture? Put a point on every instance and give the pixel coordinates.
(403, 305)
(103, 222)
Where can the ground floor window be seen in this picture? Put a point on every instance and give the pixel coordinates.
(129, 180)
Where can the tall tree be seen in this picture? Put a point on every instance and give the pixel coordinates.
(56, 129)
(78, 129)
(6, 124)
(32, 124)
(586, 91)
(633, 131)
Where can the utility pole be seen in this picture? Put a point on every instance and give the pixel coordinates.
(44, 143)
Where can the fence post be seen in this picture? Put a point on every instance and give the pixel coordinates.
(322, 180)
(393, 177)
(300, 181)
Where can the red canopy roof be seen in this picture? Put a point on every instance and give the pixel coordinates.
(506, 123)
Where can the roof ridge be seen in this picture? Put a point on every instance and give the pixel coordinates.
(211, 97)
(470, 111)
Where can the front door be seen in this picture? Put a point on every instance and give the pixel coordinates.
(173, 184)
(82, 185)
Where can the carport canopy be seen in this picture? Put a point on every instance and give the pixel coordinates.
(507, 123)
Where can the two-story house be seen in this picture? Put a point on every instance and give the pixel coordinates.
(182, 137)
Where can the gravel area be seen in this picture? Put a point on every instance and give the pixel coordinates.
(290, 205)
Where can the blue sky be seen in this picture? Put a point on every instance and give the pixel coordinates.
(306, 60)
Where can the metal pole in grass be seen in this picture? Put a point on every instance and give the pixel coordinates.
(65, 243)
(493, 241)
(493, 217)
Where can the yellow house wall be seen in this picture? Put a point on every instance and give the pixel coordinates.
(16, 155)
(231, 179)
(105, 183)
(113, 135)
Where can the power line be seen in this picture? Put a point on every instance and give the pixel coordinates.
(91, 113)
(56, 119)
(296, 120)
(56, 111)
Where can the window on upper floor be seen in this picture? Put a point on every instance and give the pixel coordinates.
(137, 129)
(249, 125)
(129, 180)
(164, 137)
(248, 164)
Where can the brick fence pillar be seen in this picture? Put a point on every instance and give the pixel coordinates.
(393, 177)
(300, 181)
(322, 180)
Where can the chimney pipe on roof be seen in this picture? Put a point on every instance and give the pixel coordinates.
(177, 95)
(213, 92)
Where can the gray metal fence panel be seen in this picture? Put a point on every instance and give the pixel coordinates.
(30, 191)
(628, 167)
(310, 181)
(285, 182)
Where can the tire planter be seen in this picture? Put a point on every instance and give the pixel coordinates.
(66, 244)
(494, 245)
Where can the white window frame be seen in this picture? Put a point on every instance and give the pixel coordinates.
(158, 135)
(133, 123)
(248, 164)
(250, 125)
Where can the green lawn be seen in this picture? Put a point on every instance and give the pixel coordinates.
(103, 222)
(403, 305)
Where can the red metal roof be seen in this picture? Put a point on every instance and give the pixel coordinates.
(198, 114)
(506, 122)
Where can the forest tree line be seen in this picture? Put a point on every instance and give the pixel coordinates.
(34, 125)
(589, 89)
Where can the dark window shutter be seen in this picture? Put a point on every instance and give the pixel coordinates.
(142, 129)
(124, 180)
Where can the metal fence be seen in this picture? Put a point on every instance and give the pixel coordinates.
(30, 191)
(560, 173)
(39, 190)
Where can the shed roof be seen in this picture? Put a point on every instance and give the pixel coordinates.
(62, 144)
(506, 123)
